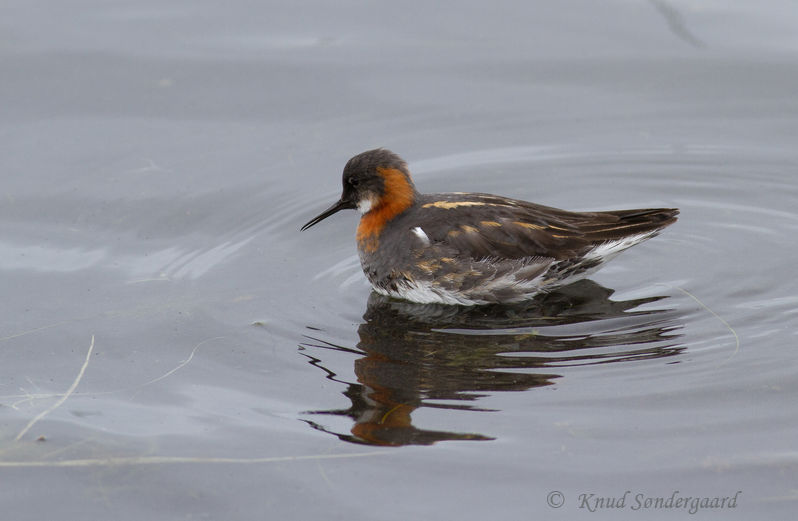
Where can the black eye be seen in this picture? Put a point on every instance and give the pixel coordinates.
(353, 181)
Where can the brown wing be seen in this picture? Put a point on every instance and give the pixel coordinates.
(483, 225)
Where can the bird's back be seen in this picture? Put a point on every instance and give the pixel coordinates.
(478, 248)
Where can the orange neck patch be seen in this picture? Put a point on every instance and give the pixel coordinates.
(398, 197)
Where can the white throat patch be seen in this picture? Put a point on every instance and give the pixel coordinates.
(364, 206)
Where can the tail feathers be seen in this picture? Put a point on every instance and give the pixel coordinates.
(651, 215)
(620, 224)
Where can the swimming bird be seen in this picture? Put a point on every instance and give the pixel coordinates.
(475, 248)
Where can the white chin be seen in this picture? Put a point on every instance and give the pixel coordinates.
(364, 206)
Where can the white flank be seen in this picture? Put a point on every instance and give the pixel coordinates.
(425, 293)
(610, 249)
(603, 253)
(418, 232)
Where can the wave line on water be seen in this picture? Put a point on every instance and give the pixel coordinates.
(159, 460)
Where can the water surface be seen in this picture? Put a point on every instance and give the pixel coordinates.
(172, 346)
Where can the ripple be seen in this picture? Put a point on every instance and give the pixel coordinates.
(147, 239)
(36, 257)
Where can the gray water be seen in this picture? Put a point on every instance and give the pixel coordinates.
(171, 347)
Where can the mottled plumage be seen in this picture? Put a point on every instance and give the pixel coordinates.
(471, 248)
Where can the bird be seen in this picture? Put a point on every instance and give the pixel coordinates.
(472, 249)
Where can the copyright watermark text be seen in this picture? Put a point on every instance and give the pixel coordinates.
(592, 502)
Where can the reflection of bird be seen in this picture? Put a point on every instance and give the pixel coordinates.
(433, 356)
(464, 248)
